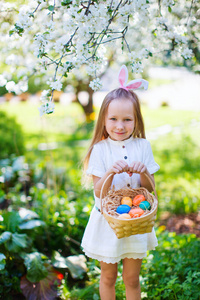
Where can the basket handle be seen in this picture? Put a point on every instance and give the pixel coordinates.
(101, 193)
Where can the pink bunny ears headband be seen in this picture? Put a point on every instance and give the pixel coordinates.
(133, 84)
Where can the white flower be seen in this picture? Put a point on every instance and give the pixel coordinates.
(60, 43)
(96, 84)
(21, 87)
(24, 20)
(161, 21)
(39, 44)
(186, 53)
(10, 86)
(45, 94)
(168, 2)
(56, 85)
(137, 67)
(11, 59)
(132, 55)
(91, 69)
(143, 53)
(46, 108)
(3, 81)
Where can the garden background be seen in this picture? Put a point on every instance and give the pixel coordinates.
(44, 208)
(61, 52)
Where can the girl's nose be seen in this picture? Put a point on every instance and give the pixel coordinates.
(120, 125)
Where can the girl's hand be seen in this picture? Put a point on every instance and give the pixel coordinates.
(119, 166)
(137, 167)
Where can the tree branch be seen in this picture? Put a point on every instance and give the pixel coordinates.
(87, 9)
(189, 14)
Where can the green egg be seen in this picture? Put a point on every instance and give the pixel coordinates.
(145, 205)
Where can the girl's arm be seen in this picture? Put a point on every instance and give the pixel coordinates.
(119, 166)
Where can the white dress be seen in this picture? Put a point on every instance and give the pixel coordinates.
(99, 240)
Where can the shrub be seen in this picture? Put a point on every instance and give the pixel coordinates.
(11, 137)
(172, 270)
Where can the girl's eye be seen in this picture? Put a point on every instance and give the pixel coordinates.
(128, 120)
(113, 119)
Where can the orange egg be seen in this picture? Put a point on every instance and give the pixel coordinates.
(138, 199)
(127, 201)
(124, 216)
(136, 212)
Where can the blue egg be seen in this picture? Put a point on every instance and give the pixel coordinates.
(145, 205)
(123, 209)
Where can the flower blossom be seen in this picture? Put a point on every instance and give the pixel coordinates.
(24, 18)
(168, 3)
(46, 108)
(10, 86)
(56, 85)
(186, 53)
(96, 84)
(45, 95)
(3, 81)
(137, 67)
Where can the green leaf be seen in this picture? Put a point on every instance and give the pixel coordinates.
(31, 224)
(6, 235)
(11, 221)
(27, 214)
(36, 270)
(11, 32)
(51, 7)
(16, 242)
(2, 261)
(66, 2)
(75, 263)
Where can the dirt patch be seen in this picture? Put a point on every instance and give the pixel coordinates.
(189, 223)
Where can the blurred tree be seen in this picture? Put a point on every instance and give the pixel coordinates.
(56, 38)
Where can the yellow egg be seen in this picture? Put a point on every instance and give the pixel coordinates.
(127, 200)
(124, 216)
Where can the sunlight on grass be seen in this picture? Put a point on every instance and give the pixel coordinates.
(66, 117)
(63, 120)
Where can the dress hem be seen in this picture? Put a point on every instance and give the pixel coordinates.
(113, 260)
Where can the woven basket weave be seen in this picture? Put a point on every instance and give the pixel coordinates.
(128, 227)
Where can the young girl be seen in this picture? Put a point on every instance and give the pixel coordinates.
(119, 148)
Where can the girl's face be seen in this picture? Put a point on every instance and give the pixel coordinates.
(119, 120)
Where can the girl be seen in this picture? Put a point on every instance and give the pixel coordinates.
(119, 147)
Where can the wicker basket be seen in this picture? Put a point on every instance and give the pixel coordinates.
(128, 227)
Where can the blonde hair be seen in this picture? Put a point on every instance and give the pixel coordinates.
(100, 132)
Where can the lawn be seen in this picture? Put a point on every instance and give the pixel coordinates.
(67, 117)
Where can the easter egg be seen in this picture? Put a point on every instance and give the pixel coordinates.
(138, 199)
(124, 216)
(136, 212)
(145, 205)
(126, 200)
(123, 209)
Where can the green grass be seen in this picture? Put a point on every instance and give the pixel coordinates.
(62, 121)
(164, 115)
(65, 127)
(66, 117)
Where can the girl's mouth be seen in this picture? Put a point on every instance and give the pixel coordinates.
(120, 133)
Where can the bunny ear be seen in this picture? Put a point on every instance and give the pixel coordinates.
(123, 76)
(137, 84)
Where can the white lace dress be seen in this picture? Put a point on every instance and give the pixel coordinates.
(99, 240)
